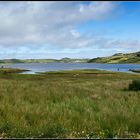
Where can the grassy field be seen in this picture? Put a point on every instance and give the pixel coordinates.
(69, 104)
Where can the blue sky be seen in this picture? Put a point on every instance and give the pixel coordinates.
(68, 29)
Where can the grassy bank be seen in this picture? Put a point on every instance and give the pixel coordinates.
(11, 70)
(137, 71)
(69, 104)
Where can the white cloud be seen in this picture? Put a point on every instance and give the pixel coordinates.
(23, 23)
(75, 33)
(32, 27)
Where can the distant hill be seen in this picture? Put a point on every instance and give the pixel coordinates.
(70, 60)
(118, 58)
(11, 61)
(65, 60)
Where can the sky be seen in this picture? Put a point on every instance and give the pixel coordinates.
(75, 29)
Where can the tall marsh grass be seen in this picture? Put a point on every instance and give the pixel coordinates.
(76, 104)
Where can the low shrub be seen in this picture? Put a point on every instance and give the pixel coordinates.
(135, 85)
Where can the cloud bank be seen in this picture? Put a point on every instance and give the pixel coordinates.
(31, 27)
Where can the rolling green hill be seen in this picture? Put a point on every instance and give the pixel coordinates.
(65, 60)
(118, 58)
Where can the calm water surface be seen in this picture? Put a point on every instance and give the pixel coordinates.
(44, 67)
